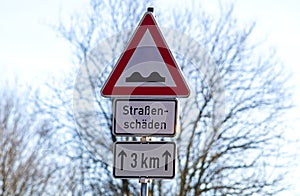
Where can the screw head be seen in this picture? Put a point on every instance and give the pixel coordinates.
(150, 9)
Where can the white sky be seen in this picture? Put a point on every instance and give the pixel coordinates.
(30, 48)
(28, 45)
(280, 21)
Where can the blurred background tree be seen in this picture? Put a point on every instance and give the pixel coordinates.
(27, 163)
(231, 127)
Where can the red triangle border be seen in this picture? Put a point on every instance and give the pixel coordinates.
(180, 90)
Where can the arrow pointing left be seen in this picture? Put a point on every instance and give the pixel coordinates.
(122, 154)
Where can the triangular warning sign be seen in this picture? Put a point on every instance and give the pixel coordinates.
(147, 67)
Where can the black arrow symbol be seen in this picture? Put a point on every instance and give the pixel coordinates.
(122, 154)
(166, 154)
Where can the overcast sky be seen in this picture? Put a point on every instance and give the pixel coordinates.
(28, 42)
(31, 49)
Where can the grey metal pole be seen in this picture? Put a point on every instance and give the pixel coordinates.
(143, 181)
(144, 189)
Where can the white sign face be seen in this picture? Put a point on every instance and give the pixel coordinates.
(145, 117)
(146, 66)
(149, 160)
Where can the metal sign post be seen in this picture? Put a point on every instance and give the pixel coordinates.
(143, 181)
(144, 186)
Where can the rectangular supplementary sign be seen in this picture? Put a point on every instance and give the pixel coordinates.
(149, 160)
(145, 117)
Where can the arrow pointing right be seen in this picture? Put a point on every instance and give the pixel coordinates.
(122, 154)
(166, 154)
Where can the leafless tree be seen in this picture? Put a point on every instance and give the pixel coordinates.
(26, 166)
(231, 127)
